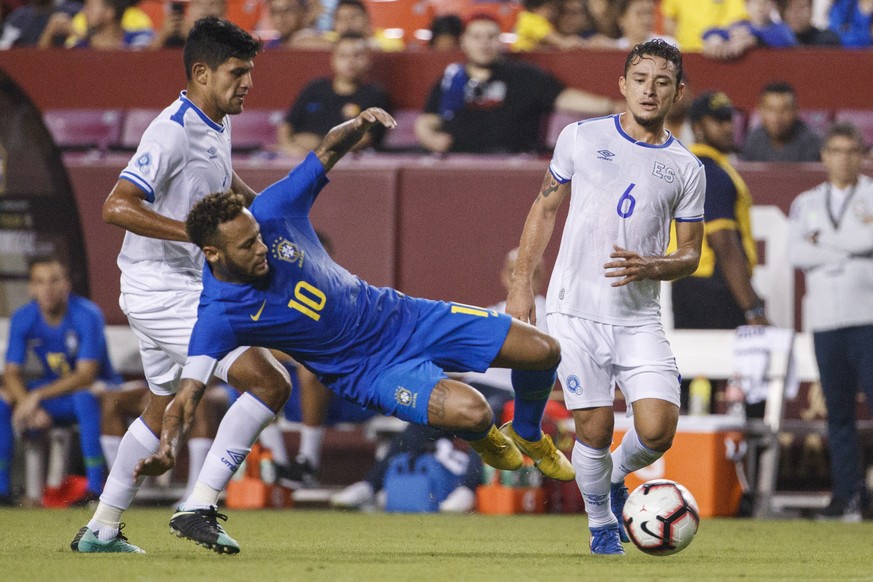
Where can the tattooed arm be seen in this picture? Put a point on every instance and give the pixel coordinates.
(534, 238)
(340, 139)
(178, 419)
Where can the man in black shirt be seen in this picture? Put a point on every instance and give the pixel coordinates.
(491, 105)
(329, 101)
(797, 14)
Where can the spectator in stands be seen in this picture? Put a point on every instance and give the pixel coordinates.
(351, 16)
(759, 29)
(535, 28)
(328, 101)
(831, 240)
(491, 105)
(719, 295)
(782, 135)
(687, 20)
(636, 19)
(604, 17)
(25, 24)
(293, 21)
(445, 33)
(182, 16)
(99, 25)
(852, 20)
(797, 14)
(65, 333)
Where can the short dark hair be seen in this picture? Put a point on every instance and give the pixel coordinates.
(351, 35)
(214, 40)
(210, 213)
(481, 16)
(844, 129)
(781, 87)
(354, 4)
(45, 260)
(656, 48)
(446, 24)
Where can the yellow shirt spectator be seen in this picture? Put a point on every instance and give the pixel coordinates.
(691, 18)
(530, 30)
(133, 20)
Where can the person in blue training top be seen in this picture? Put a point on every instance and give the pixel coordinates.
(269, 282)
(66, 333)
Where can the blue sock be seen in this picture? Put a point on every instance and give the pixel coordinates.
(7, 443)
(532, 391)
(472, 436)
(87, 409)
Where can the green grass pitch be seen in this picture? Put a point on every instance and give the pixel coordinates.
(314, 545)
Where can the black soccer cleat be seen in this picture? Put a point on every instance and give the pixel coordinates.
(201, 526)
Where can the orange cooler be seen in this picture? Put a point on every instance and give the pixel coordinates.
(697, 460)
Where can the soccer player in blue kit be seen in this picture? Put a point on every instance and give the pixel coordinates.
(66, 333)
(269, 282)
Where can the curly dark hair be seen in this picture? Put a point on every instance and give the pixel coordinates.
(210, 213)
(656, 48)
(214, 40)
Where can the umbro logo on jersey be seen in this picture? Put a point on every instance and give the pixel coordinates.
(213, 153)
(605, 155)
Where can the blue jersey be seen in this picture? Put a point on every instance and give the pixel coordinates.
(307, 305)
(79, 336)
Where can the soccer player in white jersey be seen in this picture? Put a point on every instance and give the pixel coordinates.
(183, 156)
(628, 178)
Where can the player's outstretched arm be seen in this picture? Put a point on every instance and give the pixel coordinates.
(629, 266)
(178, 419)
(340, 139)
(538, 228)
(126, 207)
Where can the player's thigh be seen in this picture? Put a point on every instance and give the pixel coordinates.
(644, 364)
(527, 348)
(163, 345)
(585, 371)
(256, 371)
(456, 337)
(402, 389)
(454, 405)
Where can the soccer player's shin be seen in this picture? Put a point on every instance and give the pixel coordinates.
(237, 432)
(593, 469)
(631, 455)
(532, 389)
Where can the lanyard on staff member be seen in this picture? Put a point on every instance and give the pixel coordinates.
(836, 220)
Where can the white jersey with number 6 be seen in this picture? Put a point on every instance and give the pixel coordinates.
(623, 193)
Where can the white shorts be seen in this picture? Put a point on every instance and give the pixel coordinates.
(597, 356)
(163, 329)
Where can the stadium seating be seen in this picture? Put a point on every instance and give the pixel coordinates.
(818, 120)
(255, 129)
(407, 16)
(84, 128)
(135, 123)
(402, 138)
(862, 118)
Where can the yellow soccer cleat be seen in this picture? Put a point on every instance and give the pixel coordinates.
(498, 451)
(548, 459)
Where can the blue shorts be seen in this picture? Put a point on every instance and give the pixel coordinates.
(448, 337)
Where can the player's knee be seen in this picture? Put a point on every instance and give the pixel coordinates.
(271, 385)
(477, 415)
(660, 441)
(549, 350)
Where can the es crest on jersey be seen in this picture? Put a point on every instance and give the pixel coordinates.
(144, 163)
(285, 250)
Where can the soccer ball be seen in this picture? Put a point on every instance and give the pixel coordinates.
(661, 517)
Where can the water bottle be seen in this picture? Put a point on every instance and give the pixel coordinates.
(699, 395)
(267, 467)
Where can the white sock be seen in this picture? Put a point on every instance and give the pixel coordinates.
(138, 443)
(593, 468)
(198, 448)
(631, 455)
(273, 439)
(311, 439)
(110, 444)
(239, 429)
